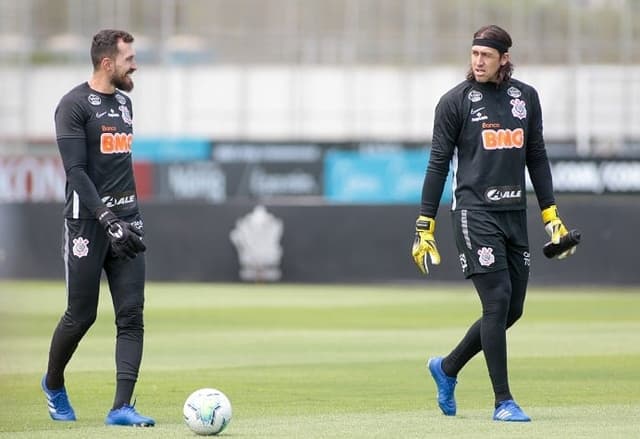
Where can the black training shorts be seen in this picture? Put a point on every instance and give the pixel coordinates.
(490, 241)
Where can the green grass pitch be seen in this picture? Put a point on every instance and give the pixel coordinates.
(331, 361)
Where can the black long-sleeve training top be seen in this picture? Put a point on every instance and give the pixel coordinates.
(94, 132)
(488, 134)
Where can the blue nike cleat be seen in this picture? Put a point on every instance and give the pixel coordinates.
(128, 416)
(509, 411)
(446, 386)
(58, 403)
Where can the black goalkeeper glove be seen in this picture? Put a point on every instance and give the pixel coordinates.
(556, 230)
(126, 240)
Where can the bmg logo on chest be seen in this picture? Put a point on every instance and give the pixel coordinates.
(502, 139)
(116, 143)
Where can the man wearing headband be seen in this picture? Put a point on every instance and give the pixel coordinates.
(489, 127)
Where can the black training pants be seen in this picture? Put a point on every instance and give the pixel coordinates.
(502, 299)
(86, 253)
(494, 253)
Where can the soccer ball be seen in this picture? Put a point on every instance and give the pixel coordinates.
(207, 411)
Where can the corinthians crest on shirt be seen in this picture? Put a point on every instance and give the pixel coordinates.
(518, 108)
(126, 116)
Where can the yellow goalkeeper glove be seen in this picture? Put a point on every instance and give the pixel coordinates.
(424, 244)
(555, 228)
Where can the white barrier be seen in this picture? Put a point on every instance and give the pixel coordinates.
(595, 106)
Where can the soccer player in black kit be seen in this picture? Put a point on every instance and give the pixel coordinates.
(489, 127)
(103, 229)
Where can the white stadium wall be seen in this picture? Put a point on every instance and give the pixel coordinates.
(583, 104)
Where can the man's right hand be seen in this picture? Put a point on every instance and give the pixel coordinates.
(126, 240)
(424, 244)
(556, 229)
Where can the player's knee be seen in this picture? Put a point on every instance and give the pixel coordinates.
(515, 312)
(497, 308)
(130, 318)
(77, 323)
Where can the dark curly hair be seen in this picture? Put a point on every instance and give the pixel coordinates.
(105, 44)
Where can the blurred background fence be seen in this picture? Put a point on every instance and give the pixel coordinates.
(314, 102)
(331, 69)
(337, 32)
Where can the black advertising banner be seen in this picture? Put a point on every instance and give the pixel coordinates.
(271, 170)
(269, 180)
(347, 172)
(596, 176)
(190, 181)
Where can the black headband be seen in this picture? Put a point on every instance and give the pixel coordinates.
(490, 42)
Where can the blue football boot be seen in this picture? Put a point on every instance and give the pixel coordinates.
(128, 416)
(58, 403)
(509, 411)
(446, 386)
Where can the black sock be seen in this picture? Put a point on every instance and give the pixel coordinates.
(124, 390)
(468, 347)
(54, 381)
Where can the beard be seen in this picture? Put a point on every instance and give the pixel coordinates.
(124, 82)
